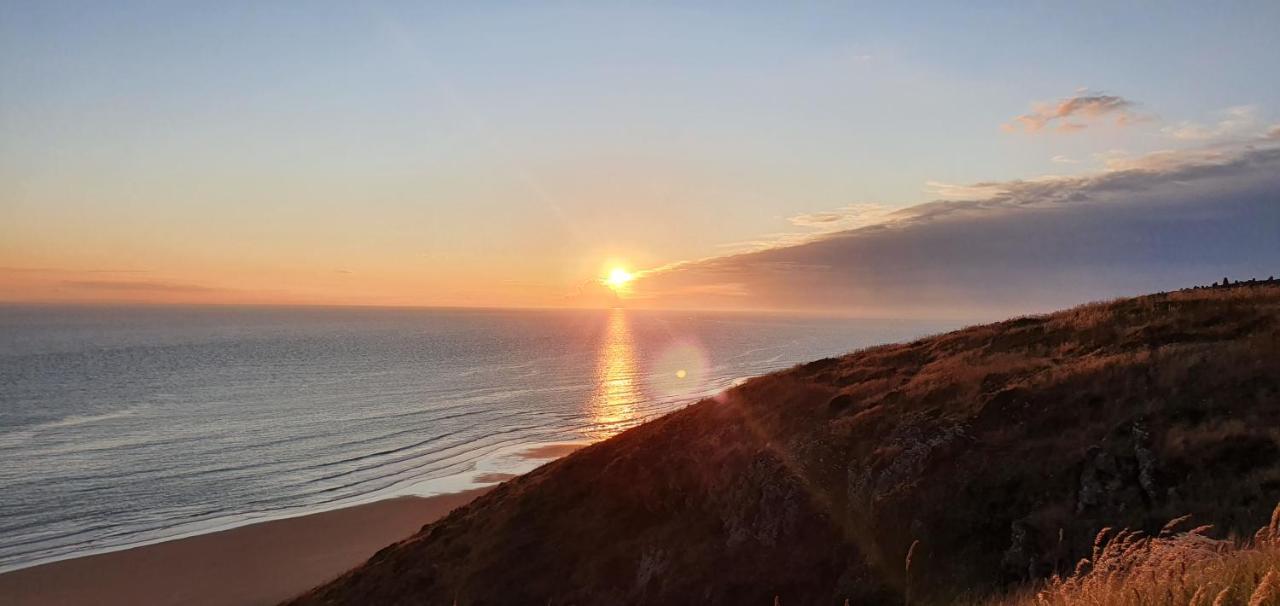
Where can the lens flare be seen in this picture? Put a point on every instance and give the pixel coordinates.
(680, 370)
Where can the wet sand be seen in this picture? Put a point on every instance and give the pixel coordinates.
(260, 563)
(552, 451)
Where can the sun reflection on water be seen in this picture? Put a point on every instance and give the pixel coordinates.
(613, 406)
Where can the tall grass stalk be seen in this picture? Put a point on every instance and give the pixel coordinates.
(1184, 568)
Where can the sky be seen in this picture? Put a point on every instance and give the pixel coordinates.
(863, 158)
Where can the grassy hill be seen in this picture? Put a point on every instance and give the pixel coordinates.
(998, 451)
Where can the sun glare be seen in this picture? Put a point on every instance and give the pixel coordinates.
(618, 278)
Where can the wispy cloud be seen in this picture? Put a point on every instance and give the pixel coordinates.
(848, 217)
(137, 286)
(812, 226)
(957, 191)
(60, 270)
(1233, 121)
(1074, 113)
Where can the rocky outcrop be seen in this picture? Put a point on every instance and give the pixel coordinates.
(1146, 460)
(900, 461)
(1120, 480)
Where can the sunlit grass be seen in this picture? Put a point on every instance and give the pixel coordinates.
(1182, 567)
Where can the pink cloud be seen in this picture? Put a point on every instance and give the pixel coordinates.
(1072, 113)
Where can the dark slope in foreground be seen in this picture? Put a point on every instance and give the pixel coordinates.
(1002, 449)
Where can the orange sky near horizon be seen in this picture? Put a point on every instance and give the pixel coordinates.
(511, 155)
(302, 286)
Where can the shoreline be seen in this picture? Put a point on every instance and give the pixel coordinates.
(262, 562)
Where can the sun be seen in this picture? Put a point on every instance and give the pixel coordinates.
(618, 278)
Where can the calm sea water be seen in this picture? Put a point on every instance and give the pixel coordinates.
(120, 426)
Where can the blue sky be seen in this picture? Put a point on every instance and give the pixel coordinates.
(493, 152)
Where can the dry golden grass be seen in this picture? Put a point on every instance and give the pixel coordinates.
(1178, 567)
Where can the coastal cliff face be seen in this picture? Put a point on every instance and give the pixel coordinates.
(1001, 449)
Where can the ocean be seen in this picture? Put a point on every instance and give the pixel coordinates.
(122, 426)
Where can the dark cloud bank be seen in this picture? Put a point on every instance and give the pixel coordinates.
(1163, 222)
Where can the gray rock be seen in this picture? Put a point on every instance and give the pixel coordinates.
(1146, 461)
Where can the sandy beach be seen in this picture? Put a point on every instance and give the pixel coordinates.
(260, 563)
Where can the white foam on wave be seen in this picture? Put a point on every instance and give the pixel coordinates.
(75, 420)
(10, 439)
(512, 460)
